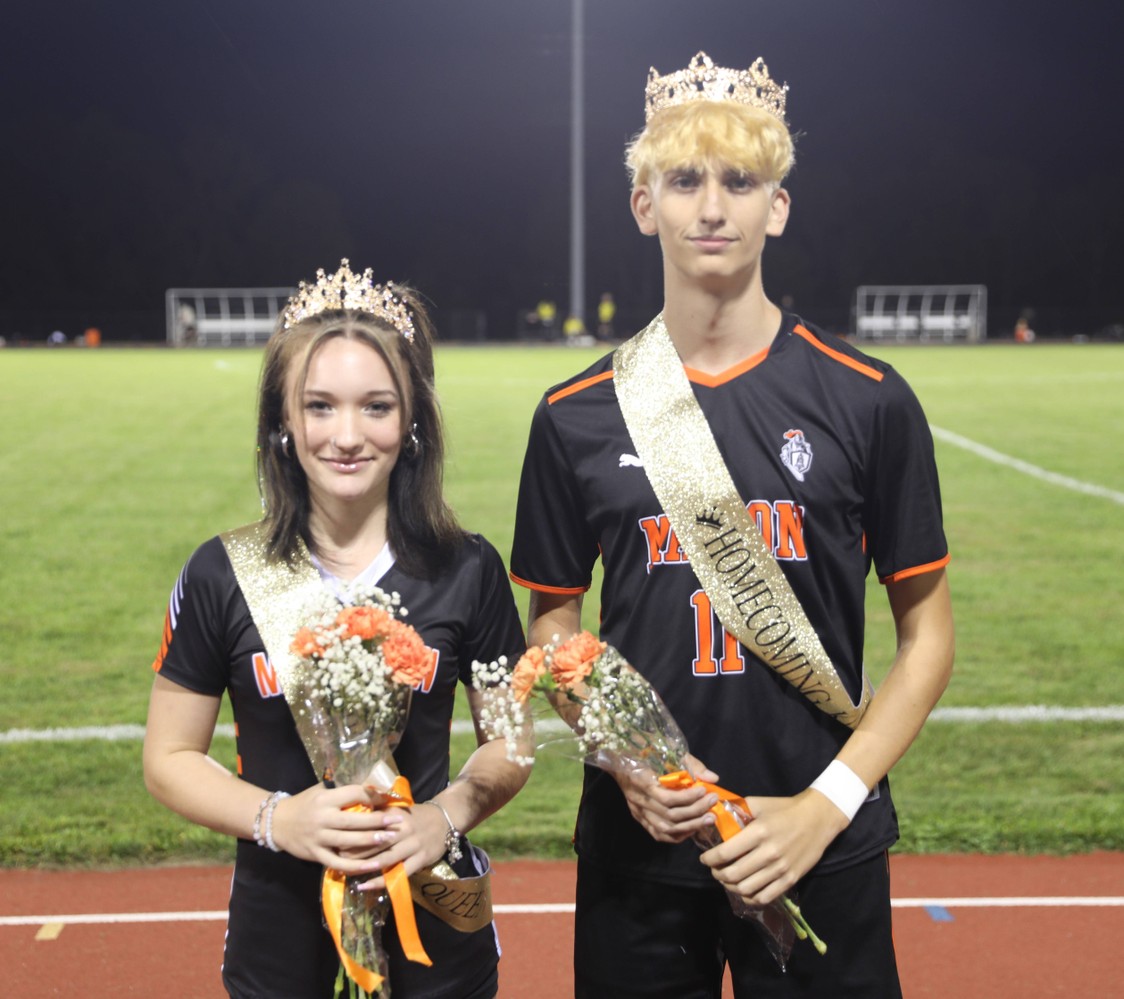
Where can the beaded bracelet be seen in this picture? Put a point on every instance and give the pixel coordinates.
(265, 812)
(452, 837)
(270, 809)
(258, 818)
(842, 787)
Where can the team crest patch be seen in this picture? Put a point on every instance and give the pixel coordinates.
(796, 453)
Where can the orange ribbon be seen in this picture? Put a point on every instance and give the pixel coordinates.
(728, 826)
(397, 887)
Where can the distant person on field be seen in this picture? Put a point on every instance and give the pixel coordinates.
(822, 468)
(188, 325)
(573, 331)
(606, 311)
(350, 456)
(548, 316)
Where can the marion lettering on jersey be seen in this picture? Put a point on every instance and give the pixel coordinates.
(265, 676)
(781, 523)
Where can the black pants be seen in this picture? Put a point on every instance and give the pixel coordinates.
(638, 939)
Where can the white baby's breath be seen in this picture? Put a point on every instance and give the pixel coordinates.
(501, 714)
(348, 673)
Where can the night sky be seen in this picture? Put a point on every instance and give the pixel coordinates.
(150, 144)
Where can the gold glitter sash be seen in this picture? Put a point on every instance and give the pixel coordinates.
(747, 588)
(464, 903)
(276, 595)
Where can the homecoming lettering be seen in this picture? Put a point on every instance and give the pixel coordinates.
(764, 615)
(717, 652)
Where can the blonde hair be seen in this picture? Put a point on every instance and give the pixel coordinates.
(706, 132)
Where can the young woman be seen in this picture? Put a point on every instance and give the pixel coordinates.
(350, 457)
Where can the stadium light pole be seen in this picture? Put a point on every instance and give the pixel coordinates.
(577, 166)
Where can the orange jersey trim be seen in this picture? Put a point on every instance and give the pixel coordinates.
(158, 662)
(563, 590)
(917, 570)
(862, 369)
(577, 387)
(713, 381)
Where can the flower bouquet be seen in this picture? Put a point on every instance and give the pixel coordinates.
(356, 667)
(622, 726)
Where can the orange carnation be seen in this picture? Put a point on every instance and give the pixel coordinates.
(363, 622)
(531, 665)
(305, 644)
(573, 660)
(409, 660)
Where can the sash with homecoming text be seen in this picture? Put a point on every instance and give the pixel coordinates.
(746, 587)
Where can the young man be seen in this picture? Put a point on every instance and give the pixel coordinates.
(738, 472)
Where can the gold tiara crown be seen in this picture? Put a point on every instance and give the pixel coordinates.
(345, 290)
(703, 81)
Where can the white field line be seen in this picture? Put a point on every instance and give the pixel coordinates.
(1021, 714)
(1016, 714)
(1017, 902)
(989, 454)
(550, 908)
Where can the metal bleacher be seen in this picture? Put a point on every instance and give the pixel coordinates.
(922, 313)
(222, 317)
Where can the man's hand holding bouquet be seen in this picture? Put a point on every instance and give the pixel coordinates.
(623, 727)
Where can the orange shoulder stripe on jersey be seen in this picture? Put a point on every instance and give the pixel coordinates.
(917, 570)
(578, 387)
(862, 369)
(158, 662)
(563, 590)
(713, 381)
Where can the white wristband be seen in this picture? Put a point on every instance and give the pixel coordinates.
(842, 787)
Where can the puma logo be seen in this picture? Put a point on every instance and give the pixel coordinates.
(630, 461)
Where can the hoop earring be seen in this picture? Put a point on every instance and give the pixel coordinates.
(284, 439)
(411, 446)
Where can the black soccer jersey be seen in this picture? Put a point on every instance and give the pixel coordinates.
(831, 452)
(276, 943)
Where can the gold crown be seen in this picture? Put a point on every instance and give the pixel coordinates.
(345, 290)
(703, 81)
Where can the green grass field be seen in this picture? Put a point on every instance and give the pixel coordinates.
(115, 464)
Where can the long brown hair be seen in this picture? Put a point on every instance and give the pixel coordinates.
(421, 528)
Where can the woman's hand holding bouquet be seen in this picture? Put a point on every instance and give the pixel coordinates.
(357, 666)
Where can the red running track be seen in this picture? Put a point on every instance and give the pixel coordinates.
(965, 927)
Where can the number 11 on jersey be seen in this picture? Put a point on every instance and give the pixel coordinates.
(709, 661)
